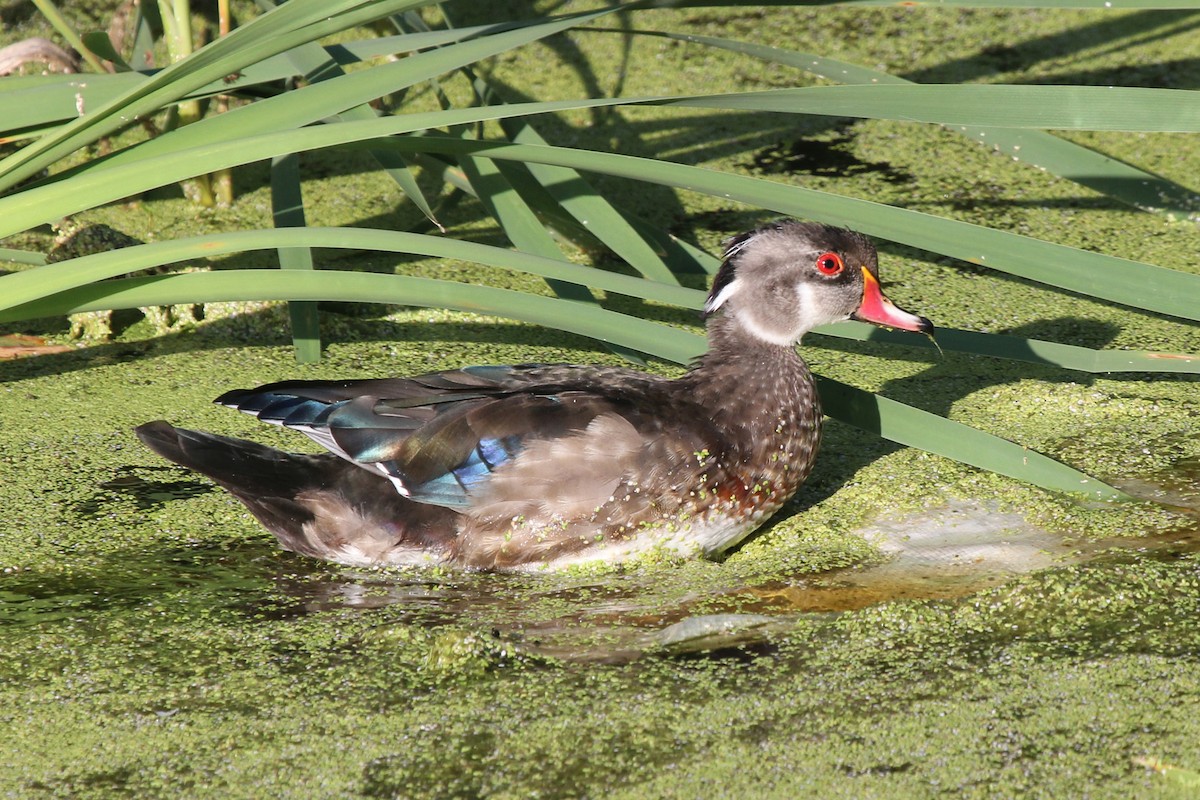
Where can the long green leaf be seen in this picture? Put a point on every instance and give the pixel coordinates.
(521, 225)
(287, 210)
(578, 198)
(1091, 108)
(1074, 162)
(916, 428)
(1119, 280)
(890, 419)
(335, 96)
(1065, 107)
(315, 63)
(28, 101)
(261, 65)
(64, 29)
(1108, 277)
(1032, 351)
(655, 338)
(280, 30)
(30, 285)
(66, 275)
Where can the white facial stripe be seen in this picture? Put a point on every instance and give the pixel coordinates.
(729, 291)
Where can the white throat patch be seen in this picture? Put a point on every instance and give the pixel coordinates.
(804, 319)
(759, 332)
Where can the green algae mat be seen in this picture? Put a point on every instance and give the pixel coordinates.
(157, 644)
(907, 627)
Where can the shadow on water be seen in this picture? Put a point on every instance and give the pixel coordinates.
(953, 551)
(944, 553)
(212, 577)
(146, 493)
(940, 554)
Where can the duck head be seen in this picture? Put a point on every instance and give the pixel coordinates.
(782, 280)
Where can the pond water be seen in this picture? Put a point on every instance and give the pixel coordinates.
(945, 552)
(158, 643)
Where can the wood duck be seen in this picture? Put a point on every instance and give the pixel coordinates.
(532, 466)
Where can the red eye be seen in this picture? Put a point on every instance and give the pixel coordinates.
(830, 263)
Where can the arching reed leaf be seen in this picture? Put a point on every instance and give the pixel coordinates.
(27, 286)
(44, 100)
(315, 63)
(1090, 108)
(521, 225)
(1116, 279)
(68, 275)
(287, 211)
(1074, 162)
(1032, 351)
(286, 27)
(334, 96)
(893, 420)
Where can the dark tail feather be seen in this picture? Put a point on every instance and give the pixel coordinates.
(317, 505)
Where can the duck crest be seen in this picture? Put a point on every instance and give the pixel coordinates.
(528, 466)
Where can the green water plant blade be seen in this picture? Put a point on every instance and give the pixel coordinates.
(1120, 280)
(145, 22)
(334, 96)
(1020, 348)
(1045, 107)
(888, 418)
(67, 32)
(578, 198)
(43, 100)
(22, 256)
(523, 228)
(1092, 108)
(575, 195)
(673, 344)
(1111, 278)
(516, 219)
(1074, 107)
(27, 286)
(1102, 173)
(276, 67)
(270, 34)
(916, 428)
(677, 255)
(97, 42)
(315, 63)
(66, 275)
(681, 257)
(1107, 277)
(58, 99)
(287, 211)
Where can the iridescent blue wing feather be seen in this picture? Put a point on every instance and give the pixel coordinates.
(437, 437)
